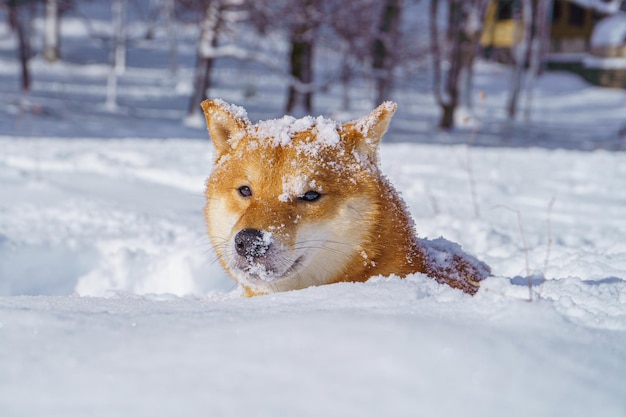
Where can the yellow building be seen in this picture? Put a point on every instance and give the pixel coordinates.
(572, 23)
(501, 29)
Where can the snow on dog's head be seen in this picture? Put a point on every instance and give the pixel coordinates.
(308, 182)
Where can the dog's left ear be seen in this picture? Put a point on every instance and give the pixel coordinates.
(367, 132)
(227, 124)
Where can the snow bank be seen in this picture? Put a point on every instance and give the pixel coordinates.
(166, 335)
(126, 216)
(83, 217)
(387, 347)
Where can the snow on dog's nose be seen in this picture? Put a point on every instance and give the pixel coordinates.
(252, 243)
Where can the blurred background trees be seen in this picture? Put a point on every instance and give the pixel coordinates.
(377, 42)
(215, 17)
(453, 54)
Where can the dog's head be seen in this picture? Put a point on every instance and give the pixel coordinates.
(292, 202)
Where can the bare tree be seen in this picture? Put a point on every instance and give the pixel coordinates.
(375, 40)
(167, 11)
(301, 21)
(52, 27)
(457, 51)
(530, 45)
(217, 15)
(209, 32)
(354, 26)
(301, 68)
(162, 12)
(521, 12)
(302, 35)
(539, 36)
(383, 49)
(18, 18)
(118, 51)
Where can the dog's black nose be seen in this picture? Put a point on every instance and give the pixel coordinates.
(251, 243)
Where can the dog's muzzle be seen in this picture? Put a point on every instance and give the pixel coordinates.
(252, 243)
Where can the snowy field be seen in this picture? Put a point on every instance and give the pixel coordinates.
(113, 304)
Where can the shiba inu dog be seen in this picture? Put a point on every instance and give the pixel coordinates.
(293, 203)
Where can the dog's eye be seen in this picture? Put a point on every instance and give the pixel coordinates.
(244, 191)
(310, 196)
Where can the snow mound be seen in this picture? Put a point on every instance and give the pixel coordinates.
(418, 347)
(610, 31)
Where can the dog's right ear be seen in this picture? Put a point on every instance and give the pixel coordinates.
(227, 124)
(366, 133)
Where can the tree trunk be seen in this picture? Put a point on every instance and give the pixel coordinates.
(435, 51)
(519, 57)
(447, 116)
(205, 56)
(17, 23)
(202, 83)
(538, 46)
(167, 10)
(462, 31)
(455, 39)
(346, 77)
(383, 52)
(118, 51)
(473, 31)
(52, 31)
(300, 97)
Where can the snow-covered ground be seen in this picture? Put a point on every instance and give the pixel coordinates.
(112, 302)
